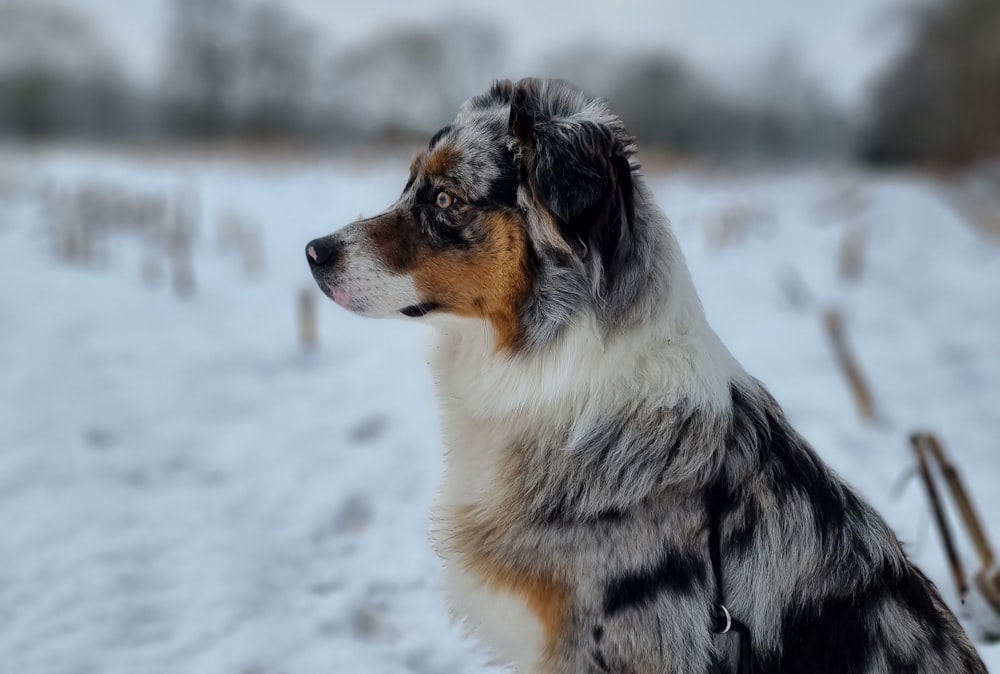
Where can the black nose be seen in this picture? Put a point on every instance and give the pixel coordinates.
(321, 251)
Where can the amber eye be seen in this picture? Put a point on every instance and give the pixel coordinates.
(444, 200)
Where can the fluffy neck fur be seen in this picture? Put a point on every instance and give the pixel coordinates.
(558, 397)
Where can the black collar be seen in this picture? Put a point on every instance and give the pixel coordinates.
(720, 500)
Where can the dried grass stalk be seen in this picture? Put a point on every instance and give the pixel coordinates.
(919, 444)
(833, 323)
(988, 577)
(962, 499)
(851, 253)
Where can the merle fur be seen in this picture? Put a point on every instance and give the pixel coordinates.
(605, 490)
(621, 508)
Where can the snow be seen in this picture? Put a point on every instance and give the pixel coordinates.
(185, 489)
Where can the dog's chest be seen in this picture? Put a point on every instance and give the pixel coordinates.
(489, 606)
(503, 620)
(474, 460)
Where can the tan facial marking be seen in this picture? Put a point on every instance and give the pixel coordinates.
(442, 159)
(488, 281)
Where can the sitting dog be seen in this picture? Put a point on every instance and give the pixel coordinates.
(618, 493)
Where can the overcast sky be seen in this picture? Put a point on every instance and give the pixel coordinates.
(842, 41)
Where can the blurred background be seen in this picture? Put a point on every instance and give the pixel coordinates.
(207, 467)
(880, 81)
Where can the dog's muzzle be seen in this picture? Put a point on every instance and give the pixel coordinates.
(347, 268)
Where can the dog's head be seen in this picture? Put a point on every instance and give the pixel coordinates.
(520, 213)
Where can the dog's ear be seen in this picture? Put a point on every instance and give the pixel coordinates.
(577, 167)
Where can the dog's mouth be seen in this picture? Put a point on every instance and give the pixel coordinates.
(357, 303)
(418, 310)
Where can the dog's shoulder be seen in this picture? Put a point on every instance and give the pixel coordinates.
(817, 572)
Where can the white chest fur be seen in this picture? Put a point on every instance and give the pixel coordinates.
(474, 452)
(503, 620)
(511, 631)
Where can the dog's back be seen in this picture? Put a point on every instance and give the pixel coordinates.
(612, 474)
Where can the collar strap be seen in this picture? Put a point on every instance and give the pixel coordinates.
(719, 501)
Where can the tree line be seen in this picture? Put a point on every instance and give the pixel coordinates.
(939, 102)
(253, 70)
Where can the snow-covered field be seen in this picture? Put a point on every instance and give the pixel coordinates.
(185, 489)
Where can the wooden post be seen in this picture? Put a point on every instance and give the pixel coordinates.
(307, 320)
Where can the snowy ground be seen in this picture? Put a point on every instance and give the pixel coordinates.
(184, 489)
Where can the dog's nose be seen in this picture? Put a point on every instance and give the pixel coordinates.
(321, 251)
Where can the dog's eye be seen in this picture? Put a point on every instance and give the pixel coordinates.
(444, 200)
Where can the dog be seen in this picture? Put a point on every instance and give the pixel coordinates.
(619, 496)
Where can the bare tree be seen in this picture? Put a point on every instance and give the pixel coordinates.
(940, 101)
(201, 61)
(55, 77)
(411, 80)
(276, 56)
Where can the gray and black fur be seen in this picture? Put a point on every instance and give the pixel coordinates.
(597, 431)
